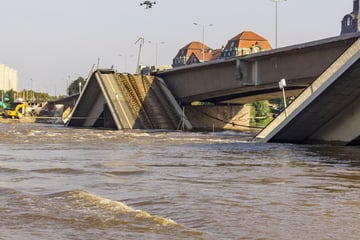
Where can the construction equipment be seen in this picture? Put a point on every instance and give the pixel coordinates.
(16, 110)
(3, 105)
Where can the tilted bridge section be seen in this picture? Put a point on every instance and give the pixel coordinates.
(326, 111)
(125, 101)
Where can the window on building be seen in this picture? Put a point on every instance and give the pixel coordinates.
(348, 22)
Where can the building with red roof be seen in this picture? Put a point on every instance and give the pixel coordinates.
(245, 43)
(194, 52)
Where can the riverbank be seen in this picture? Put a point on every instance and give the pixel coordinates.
(15, 120)
(50, 120)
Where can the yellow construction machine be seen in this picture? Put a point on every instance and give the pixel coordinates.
(16, 110)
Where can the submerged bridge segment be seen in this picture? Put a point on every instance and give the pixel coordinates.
(123, 101)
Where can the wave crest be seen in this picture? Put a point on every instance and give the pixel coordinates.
(91, 201)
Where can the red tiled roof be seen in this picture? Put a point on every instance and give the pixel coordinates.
(216, 54)
(196, 48)
(248, 35)
(243, 42)
(248, 39)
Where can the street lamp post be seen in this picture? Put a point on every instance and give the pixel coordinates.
(203, 39)
(156, 50)
(282, 85)
(67, 85)
(31, 88)
(125, 60)
(141, 43)
(276, 20)
(3, 84)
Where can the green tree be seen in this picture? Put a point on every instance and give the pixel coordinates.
(260, 113)
(74, 87)
(9, 95)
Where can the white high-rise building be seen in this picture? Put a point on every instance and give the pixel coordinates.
(8, 78)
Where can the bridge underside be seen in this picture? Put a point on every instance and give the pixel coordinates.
(327, 111)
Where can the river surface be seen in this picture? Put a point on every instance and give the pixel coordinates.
(65, 183)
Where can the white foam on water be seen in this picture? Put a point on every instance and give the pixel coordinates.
(119, 207)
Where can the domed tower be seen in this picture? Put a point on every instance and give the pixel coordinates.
(351, 22)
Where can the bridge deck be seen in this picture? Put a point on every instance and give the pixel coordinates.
(255, 77)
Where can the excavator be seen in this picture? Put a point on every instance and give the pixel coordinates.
(3, 105)
(16, 110)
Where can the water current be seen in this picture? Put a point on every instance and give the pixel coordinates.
(65, 183)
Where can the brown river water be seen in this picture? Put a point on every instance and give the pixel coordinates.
(65, 183)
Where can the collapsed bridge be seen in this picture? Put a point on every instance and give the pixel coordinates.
(123, 101)
(323, 76)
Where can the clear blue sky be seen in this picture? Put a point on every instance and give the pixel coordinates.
(49, 41)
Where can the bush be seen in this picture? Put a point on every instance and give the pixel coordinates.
(260, 113)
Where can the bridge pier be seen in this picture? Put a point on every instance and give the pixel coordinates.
(220, 117)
